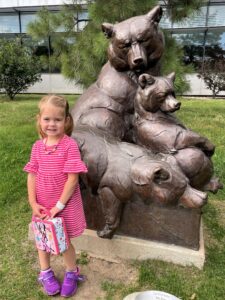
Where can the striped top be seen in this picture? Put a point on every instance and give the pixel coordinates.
(51, 169)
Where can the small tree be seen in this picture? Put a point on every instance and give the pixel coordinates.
(214, 76)
(18, 68)
(179, 10)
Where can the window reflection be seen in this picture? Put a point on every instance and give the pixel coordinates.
(82, 20)
(216, 37)
(216, 16)
(215, 46)
(193, 45)
(26, 18)
(198, 19)
(165, 21)
(39, 48)
(9, 23)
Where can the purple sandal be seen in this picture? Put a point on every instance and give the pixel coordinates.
(69, 286)
(49, 282)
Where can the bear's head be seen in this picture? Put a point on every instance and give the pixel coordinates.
(136, 43)
(156, 181)
(164, 183)
(157, 93)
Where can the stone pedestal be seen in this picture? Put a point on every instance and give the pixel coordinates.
(129, 248)
(165, 224)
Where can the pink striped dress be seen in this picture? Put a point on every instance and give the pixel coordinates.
(51, 174)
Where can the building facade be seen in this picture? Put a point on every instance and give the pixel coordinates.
(202, 37)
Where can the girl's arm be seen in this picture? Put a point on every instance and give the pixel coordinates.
(31, 188)
(68, 191)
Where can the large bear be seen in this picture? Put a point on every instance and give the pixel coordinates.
(136, 45)
(118, 171)
(156, 128)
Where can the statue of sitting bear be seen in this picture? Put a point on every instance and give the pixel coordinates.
(136, 46)
(157, 129)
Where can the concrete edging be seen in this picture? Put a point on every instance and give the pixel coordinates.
(123, 247)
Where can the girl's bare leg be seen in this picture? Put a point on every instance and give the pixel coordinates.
(69, 285)
(70, 258)
(44, 259)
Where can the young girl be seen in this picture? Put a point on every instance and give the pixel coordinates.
(52, 182)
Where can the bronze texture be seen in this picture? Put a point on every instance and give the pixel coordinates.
(158, 129)
(118, 171)
(140, 157)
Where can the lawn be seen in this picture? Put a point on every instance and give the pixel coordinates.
(17, 134)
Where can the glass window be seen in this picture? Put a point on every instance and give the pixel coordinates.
(216, 16)
(197, 20)
(165, 21)
(215, 45)
(9, 23)
(216, 37)
(193, 45)
(25, 20)
(40, 49)
(82, 20)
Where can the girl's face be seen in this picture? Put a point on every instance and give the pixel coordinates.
(52, 121)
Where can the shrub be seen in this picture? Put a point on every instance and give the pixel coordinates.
(214, 76)
(18, 68)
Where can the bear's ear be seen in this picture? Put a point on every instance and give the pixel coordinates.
(145, 79)
(161, 175)
(107, 28)
(155, 14)
(172, 76)
(144, 172)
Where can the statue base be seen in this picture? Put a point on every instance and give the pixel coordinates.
(164, 224)
(123, 247)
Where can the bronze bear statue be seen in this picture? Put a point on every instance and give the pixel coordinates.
(117, 171)
(107, 117)
(157, 129)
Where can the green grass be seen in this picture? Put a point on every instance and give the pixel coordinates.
(207, 117)
(17, 259)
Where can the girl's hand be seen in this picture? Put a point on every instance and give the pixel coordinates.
(38, 211)
(54, 211)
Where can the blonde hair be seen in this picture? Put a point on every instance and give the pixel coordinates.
(57, 101)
